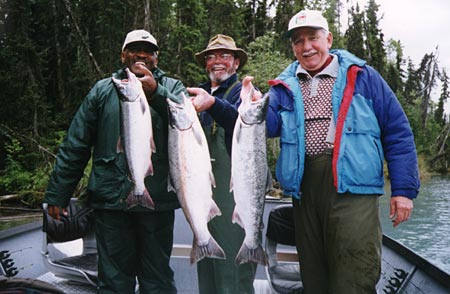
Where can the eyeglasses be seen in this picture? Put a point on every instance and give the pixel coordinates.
(223, 56)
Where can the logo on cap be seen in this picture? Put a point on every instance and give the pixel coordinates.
(301, 18)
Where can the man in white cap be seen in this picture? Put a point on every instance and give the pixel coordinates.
(132, 243)
(217, 101)
(338, 120)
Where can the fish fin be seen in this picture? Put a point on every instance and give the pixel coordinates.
(214, 210)
(236, 219)
(152, 145)
(150, 169)
(144, 200)
(119, 146)
(269, 183)
(170, 185)
(147, 200)
(257, 255)
(212, 179)
(211, 250)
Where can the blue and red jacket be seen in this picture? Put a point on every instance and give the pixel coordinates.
(370, 127)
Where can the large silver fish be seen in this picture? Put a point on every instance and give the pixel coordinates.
(136, 138)
(250, 176)
(191, 177)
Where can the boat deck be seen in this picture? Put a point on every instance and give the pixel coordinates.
(27, 241)
(403, 271)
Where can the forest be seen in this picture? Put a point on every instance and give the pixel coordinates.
(53, 51)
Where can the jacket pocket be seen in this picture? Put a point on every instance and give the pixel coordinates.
(288, 160)
(362, 162)
(108, 179)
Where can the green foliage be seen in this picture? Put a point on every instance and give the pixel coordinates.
(16, 177)
(52, 52)
(354, 35)
(264, 63)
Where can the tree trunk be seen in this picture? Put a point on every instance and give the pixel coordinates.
(83, 41)
(59, 80)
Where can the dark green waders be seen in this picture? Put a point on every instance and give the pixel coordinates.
(135, 244)
(217, 276)
(338, 236)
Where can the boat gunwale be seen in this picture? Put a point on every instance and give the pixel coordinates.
(431, 270)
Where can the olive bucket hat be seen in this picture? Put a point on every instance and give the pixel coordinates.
(221, 42)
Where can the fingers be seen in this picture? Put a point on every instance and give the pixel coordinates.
(202, 100)
(400, 209)
(53, 211)
(144, 69)
(149, 84)
(196, 91)
(256, 95)
(247, 81)
(249, 89)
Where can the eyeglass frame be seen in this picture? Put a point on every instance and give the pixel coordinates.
(223, 56)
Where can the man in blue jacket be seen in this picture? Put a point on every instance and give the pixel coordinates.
(338, 120)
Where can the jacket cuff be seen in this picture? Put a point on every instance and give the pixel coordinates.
(408, 193)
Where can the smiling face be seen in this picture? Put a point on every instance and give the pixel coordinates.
(311, 47)
(220, 65)
(137, 54)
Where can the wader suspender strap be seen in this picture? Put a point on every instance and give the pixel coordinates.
(225, 97)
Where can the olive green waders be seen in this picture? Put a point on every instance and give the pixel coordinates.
(338, 236)
(134, 245)
(217, 276)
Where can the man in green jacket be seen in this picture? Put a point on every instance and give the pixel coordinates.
(131, 242)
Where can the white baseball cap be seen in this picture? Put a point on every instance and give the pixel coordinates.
(140, 36)
(307, 18)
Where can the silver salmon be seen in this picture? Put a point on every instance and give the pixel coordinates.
(191, 177)
(250, 176)
(136, 138)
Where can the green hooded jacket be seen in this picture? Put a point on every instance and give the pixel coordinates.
(95, 131)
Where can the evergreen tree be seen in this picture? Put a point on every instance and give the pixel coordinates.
(331, 10)
(185, 40)
(427, 73)
(354, 36)
(394, 72)
(23, 70)
(285, 10)
(412, 85)
(375, 53)
(256, 18)
(439, 115)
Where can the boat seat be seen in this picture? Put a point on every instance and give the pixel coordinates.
(284, 277)
(69, 248)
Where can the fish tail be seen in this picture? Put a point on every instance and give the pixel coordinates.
(257, 255)
(144, 200)
(211, 250)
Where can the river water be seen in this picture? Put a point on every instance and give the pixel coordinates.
(427, 232)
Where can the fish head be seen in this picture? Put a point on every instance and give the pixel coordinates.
(181, 115)
(130, 89)
(253, 111)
